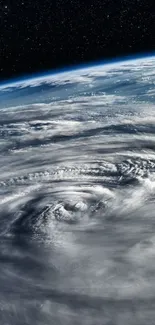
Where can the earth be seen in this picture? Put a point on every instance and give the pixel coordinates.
(77, 196)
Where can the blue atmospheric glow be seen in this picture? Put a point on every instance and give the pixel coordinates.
(78, 67)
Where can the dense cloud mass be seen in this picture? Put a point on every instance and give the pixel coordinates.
(77, 197)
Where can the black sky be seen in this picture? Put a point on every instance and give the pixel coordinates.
(36, 35)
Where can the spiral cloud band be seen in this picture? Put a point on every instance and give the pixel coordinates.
(77, 197)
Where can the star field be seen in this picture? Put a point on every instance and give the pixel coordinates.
(43, 34)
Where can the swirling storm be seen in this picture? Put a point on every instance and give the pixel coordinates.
(77, 197)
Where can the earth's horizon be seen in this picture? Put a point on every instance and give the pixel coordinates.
(119, 60)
